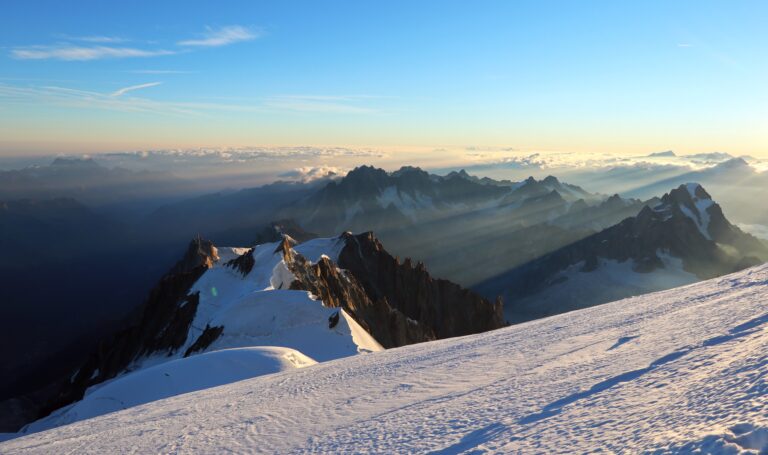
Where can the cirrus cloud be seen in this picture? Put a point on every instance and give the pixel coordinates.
(131, 88)
(223, 36)
(83, 53)
(84, 48)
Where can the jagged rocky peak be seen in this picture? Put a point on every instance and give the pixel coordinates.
(460, 174)
(463, 173)
(691, 201)
(410, 170)
(688, 194)
(615, 200)
(200, 252)
(412, 179)
(531, 187)
(286, 246)
(363, 180)
(550, 180)
(366, 172)
(440, 305)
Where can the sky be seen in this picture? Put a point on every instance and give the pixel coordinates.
(421, 77)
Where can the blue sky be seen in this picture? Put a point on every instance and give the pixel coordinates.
(601, 76)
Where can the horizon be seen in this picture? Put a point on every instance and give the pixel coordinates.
(619, 79)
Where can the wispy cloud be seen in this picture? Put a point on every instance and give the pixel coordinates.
(96, 47)
(161, 72)
(96, 39)
(83, 53)
(131, 88)
(74, 98)
(115, 101)
(684, 45)
(223, 36)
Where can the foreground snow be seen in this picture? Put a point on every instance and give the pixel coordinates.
(677, 371)
(174, 378)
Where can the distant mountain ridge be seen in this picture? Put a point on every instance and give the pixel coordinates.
(91, 183)
(492, 225)
(371, 198)
(685, 238)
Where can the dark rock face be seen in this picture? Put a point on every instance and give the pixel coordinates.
(209, 335)
(333, 320)
(200, 253)
(338, 288)
(398, 304)
(243, 264)
(444, 307)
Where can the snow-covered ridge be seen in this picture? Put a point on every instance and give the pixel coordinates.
(264, 327)
(682, 370)
(256, 309)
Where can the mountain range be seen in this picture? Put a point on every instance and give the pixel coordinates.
(492, 225)
(544, 245)
(683, 239)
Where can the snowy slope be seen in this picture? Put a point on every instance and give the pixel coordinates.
(676, 371)
(174, 378)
